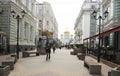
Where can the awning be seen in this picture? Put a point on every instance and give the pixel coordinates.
(104, 33)
(110, 31)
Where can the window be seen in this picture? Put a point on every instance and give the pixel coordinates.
(32, 8)
(93, 0)
(39, 33)
(27, 3)
(26, 30)
(92, 6)
(31, 32)
(111, 39)
(16, 30)
(40, 23)
(47, 23)
(20, 29)
(47, 11)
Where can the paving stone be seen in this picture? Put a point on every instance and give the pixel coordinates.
(60, 64)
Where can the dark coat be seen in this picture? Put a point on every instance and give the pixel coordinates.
(48, 48)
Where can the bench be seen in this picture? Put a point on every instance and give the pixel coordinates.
(81, 56)
(93, 67)
(9, 61)
(13, 55)
(27, 53)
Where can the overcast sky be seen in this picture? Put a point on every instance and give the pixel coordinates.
(66, 12)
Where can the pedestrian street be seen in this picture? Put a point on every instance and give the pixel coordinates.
(60, 64)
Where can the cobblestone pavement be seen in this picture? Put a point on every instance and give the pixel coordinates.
(61, 64)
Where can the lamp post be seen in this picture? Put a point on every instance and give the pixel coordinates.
(18, 17)
(94, 14)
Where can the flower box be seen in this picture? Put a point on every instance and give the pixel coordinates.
(4, 70)
(115, 72)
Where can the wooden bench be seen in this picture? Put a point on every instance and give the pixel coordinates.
(27, 53)
(93, 67)
(81, 56)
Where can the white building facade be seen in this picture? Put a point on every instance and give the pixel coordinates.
(83, 28)
(46, 19)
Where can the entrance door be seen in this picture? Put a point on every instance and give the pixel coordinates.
(3, 47)
(119, 40)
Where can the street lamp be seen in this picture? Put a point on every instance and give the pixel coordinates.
(18, 17)
(94, 14)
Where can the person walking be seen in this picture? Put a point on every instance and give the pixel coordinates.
(48, 50)
(54, 48)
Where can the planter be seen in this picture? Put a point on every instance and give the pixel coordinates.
(9, 61)
(115, 72)
(72, 53)
(4, 70)
(118, 57)
(81, 56)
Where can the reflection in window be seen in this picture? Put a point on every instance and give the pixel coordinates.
(92, 6)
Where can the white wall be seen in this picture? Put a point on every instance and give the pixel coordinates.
(86, 25)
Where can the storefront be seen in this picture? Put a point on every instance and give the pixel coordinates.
(109, 43)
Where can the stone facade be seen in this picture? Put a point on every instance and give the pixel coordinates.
(9, 25)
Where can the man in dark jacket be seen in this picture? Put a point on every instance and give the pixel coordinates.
(48, 50)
